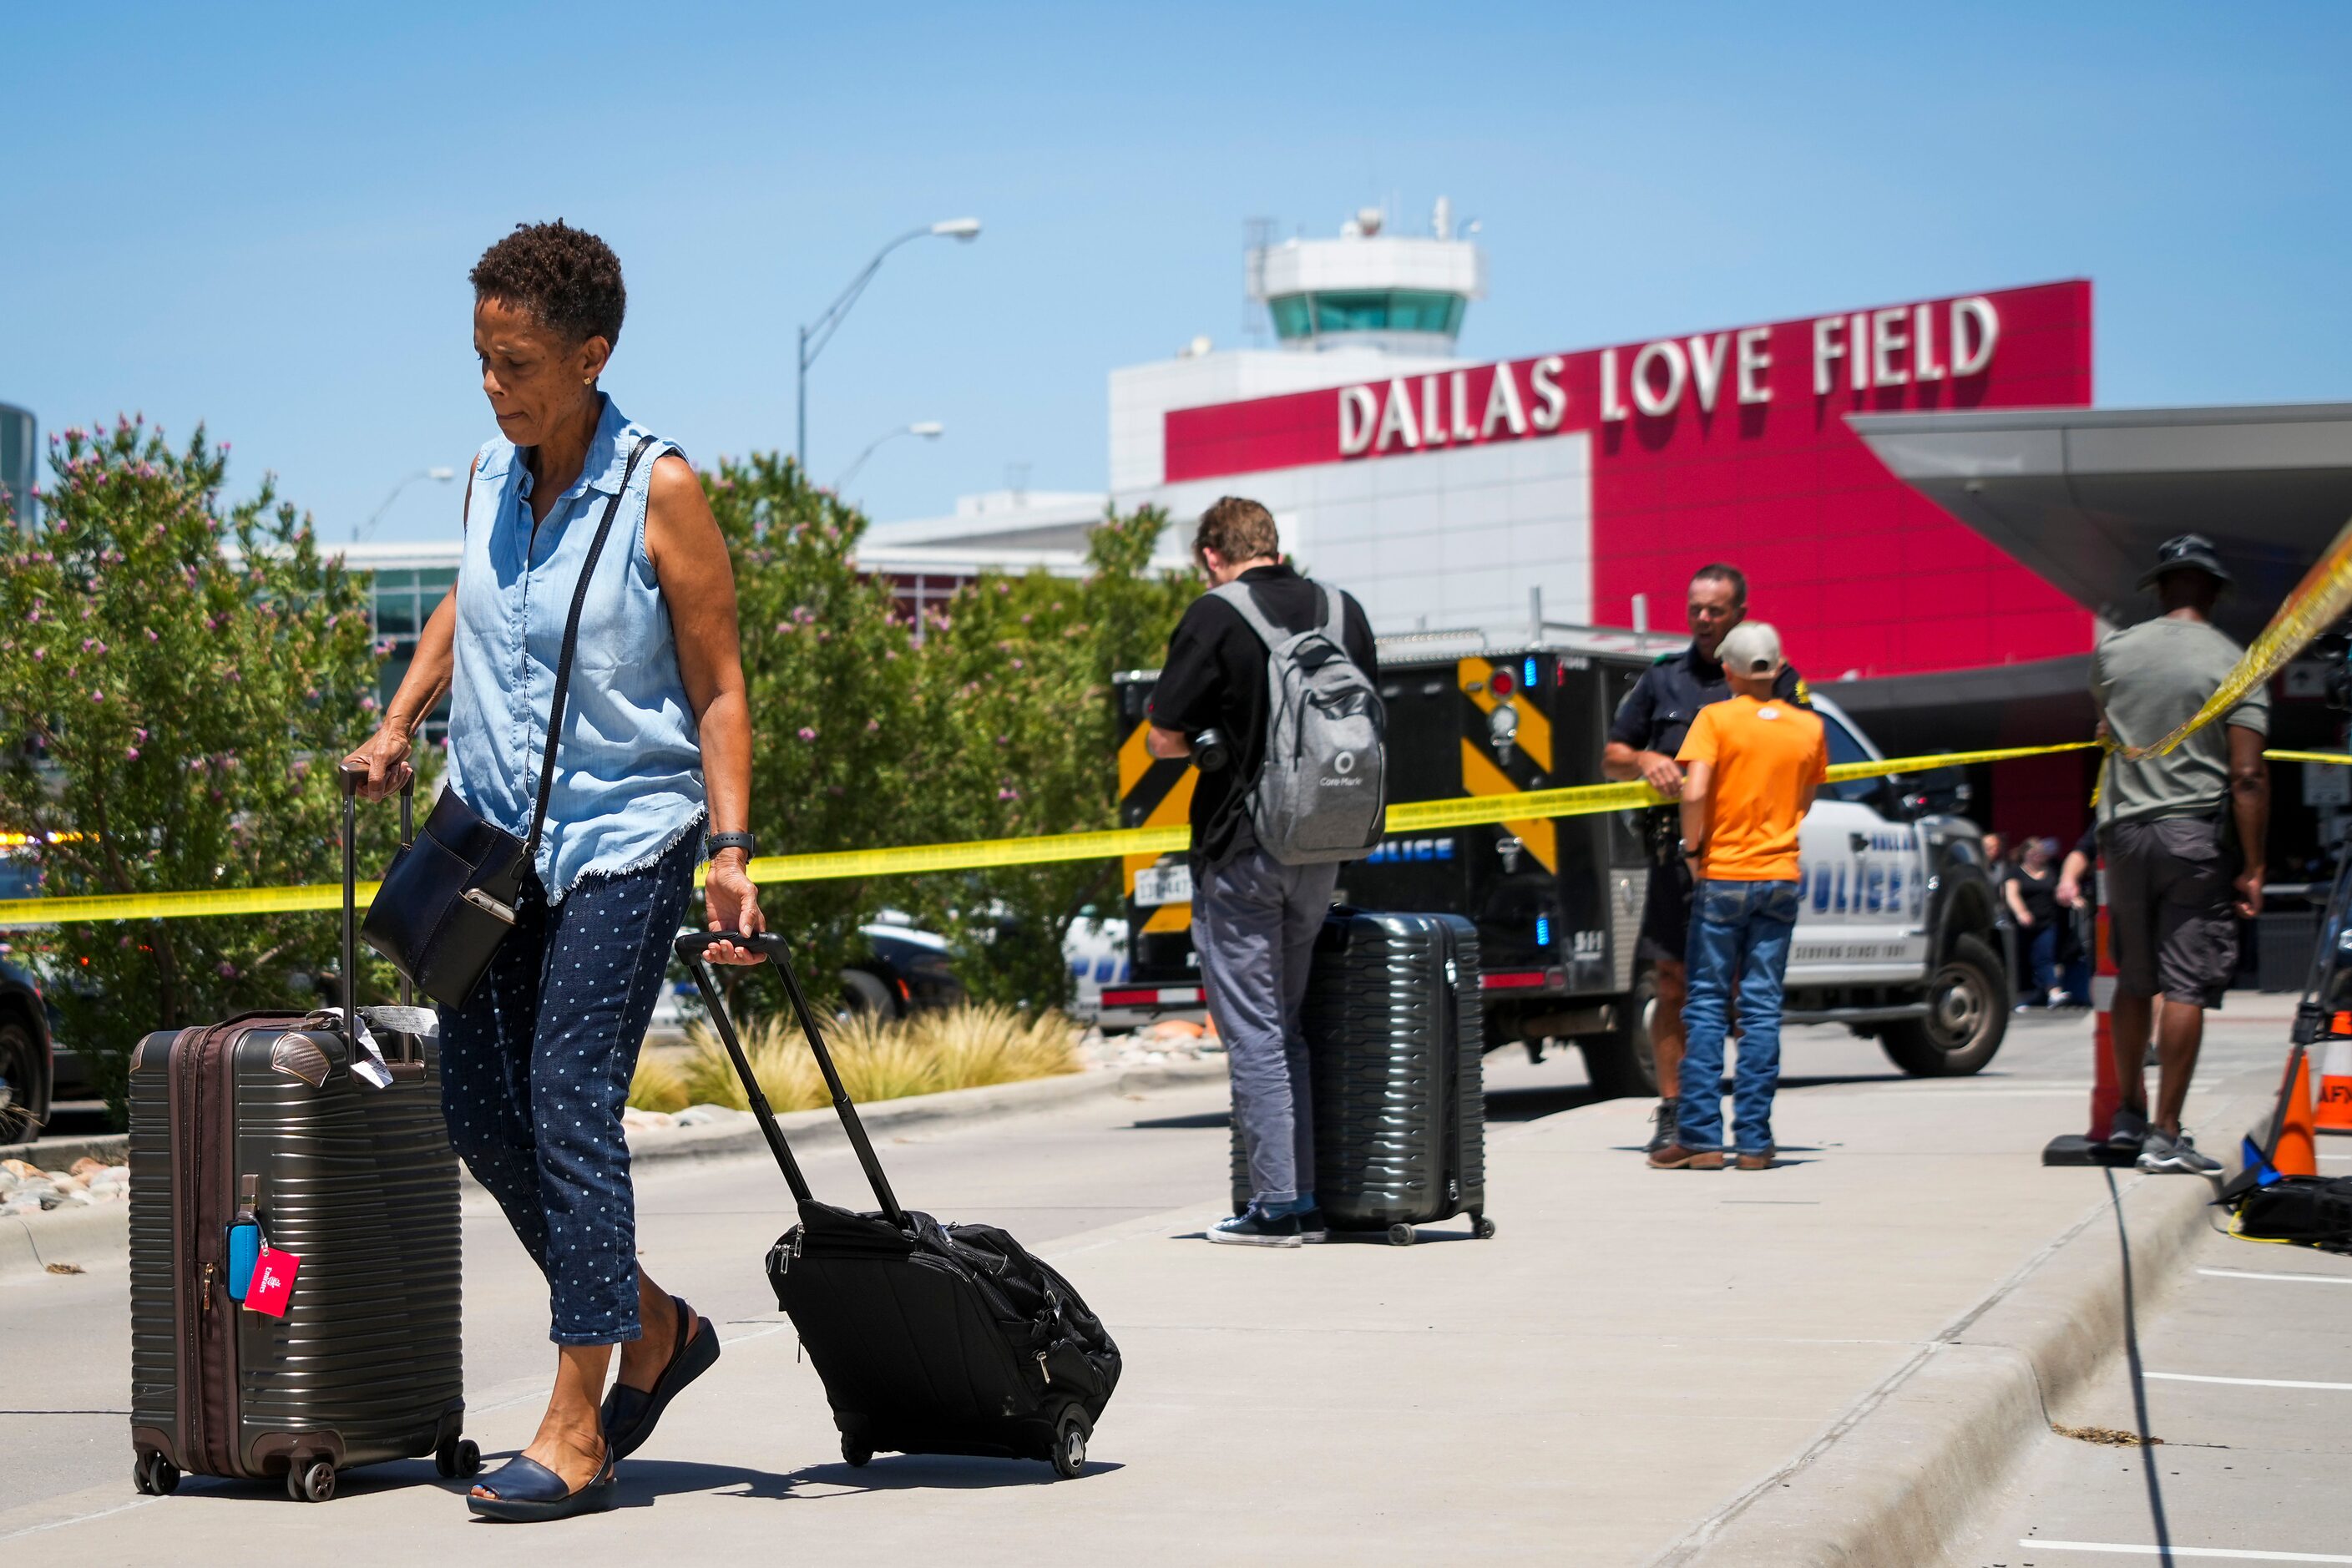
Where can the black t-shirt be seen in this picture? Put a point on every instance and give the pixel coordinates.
(1216, 678)
(2038, 894)
(1657, 714)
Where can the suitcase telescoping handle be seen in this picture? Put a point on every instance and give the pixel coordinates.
(690, 949)
(349, 779)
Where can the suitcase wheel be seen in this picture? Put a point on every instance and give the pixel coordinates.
(154, 1476)
(457, 1459)
(1402, 1236)
(856, 1453)
(1070, 1442)
(311, 1480)
(1482, 1227)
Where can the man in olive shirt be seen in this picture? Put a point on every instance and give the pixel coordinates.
(2183, 834)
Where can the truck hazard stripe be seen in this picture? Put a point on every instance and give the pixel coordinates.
(1153, 792)
(1481, 776)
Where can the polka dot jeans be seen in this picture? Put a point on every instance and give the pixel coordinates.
(535, 1072)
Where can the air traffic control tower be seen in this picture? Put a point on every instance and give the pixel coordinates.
(20, 455)
(1370, 288)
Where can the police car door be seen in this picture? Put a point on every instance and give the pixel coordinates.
(1863, 893)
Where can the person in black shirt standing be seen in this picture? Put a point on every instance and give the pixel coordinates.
(1253, 918)
(1648, 730)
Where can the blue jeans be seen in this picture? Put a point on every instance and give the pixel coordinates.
(1741, 929)
(2041, 962)
(535, 1072)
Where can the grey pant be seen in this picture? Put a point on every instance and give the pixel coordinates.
(1254, 925)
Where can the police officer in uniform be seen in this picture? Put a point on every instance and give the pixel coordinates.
(1649, 728)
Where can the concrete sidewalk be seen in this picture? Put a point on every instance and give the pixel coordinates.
(1636, 1352)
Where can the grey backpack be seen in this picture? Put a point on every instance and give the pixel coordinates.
(1323, 791)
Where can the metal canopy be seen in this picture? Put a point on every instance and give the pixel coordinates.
(2084, 495)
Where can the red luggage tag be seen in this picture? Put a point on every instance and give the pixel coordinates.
(273, 1282)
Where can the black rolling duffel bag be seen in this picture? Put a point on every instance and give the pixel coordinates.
(929, 1338)
(278, 1136)
(1396, 1044)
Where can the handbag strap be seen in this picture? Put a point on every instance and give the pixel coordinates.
(563, 661)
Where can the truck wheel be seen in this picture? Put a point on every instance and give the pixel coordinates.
(864, 992)
(1967, 1015)
(1623, 1064)
(24, 1083)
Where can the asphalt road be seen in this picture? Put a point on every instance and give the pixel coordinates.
(2242, 1372)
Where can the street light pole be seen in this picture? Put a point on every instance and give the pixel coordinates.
(816, 334)
(442, 476)
(929, 429)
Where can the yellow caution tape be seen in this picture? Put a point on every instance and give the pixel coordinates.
(2342, 757)
(769, 871)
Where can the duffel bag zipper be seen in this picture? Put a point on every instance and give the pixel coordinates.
(1044, 1371)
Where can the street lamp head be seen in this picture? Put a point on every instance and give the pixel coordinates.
(929, 429)
(963, 228)
(444, 475)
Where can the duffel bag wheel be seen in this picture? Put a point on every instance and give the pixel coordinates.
(311, 1482)
(1483, 1227)
(856, 1453)
(1070, 1443)
(457, 1459)
(1400, 1236)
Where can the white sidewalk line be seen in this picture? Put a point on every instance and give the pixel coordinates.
(2216, 1553)
(2306, 1279)
(2249, 1383)
(79, 1519)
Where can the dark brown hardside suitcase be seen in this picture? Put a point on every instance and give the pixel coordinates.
(262, 1118)
(1396, 1046)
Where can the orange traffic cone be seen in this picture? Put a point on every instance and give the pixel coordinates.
(2336, 1087)
(2293, 1151)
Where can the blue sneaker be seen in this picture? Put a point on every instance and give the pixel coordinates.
(1255, 1227)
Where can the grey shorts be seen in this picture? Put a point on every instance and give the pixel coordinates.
(2168, 909)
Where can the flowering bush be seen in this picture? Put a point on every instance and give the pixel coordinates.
(172, 711)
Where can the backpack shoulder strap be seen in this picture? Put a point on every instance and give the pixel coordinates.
(1335, 615)
(1238, 596)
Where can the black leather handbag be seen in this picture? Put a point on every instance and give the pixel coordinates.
(447, 900)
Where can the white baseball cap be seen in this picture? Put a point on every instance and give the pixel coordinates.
(1751, 647)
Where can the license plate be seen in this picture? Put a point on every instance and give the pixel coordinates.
(1157, 885)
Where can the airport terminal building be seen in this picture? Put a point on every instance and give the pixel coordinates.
(1894, 478)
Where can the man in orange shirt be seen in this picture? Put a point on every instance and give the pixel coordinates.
(1754, 763)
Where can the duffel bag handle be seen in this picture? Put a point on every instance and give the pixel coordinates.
(690, 949)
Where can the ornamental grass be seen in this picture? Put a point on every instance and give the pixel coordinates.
(955, 1048)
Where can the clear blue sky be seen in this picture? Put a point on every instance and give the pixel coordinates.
(261, 216)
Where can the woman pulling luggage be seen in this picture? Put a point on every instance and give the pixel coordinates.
(654, 747)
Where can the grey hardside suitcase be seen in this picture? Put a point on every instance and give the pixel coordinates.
(262, 1118)
(1396, 1046)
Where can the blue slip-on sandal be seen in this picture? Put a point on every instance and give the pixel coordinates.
(630, 1413)
(528, 1492)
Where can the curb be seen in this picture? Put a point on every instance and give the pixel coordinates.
(1905, 1469)
(90, 1237)
(59, 1153)
(821, 1128)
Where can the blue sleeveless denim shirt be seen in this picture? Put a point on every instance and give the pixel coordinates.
(628, 773)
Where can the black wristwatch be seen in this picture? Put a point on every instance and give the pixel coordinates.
(712, 843)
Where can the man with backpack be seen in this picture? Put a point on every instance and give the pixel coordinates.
(1283, 671)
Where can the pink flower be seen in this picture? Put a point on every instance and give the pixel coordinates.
(97, 696)
(151, 636)
(131, 753)
(872, 725)
(226, 970)
(40, 653)
(367, 704)
(807, 734)
(1008, 795)
(139, 736)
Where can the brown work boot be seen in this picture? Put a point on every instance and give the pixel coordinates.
(1675, 1157)
(1757, 1162)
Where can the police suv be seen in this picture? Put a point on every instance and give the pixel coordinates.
(1896, 937)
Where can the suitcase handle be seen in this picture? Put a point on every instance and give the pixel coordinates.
(349, 778)
(690, 949)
